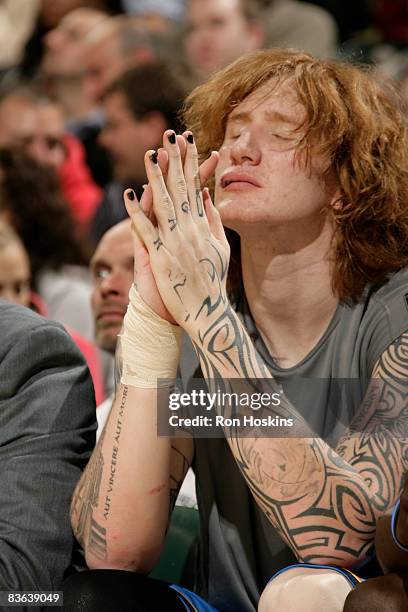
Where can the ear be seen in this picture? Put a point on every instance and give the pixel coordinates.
(336, 201)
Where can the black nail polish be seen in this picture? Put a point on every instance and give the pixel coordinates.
(190, 138)
(153, 157)
(172, 138)
(131, 194)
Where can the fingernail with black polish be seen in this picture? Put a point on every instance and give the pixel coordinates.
(153, 157)
(172, 138)
(190, 138)
(131, 194)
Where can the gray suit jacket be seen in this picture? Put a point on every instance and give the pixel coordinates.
(47, 431)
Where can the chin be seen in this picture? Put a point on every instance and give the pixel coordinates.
(234, 215)
(107, 342)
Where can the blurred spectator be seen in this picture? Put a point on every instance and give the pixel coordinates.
(113, 47)
(18, 118)
(62, 67)
(220, 31)
(139, 106)
(112, 275)
(62, 75)
(36, 125)
(301, 25)
(17, 19)
(50, 14)
(15, 275)
(15, 286)
(31, 202)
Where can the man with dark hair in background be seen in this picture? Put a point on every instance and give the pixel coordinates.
(118, 44)
(138, 107)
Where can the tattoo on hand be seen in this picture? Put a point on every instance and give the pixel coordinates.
(199, 202)
(158, 243)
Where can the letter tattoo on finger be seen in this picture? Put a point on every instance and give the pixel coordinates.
(185, 207)
(172, 223)
(199, 201)
(158, 243)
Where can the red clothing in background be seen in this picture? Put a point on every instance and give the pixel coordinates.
(80, 191)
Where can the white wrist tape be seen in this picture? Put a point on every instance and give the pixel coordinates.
(150, 345)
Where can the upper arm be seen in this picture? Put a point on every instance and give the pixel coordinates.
(46, 434)
(376, 443)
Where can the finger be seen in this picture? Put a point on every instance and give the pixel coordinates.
(146, 232)
(213, 216)
(192, 176)
(146, 202)
(162, 204)
(181, 141)
(176, 184)
(163, 161)
(208, 167)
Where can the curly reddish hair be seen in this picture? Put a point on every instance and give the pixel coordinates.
(356, 123)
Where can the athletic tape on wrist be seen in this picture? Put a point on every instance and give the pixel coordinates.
(150, 345)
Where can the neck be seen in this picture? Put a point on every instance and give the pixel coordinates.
(289, 290)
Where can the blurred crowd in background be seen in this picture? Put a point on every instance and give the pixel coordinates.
(86, 87)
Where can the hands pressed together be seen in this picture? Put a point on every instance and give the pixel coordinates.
(181, 251)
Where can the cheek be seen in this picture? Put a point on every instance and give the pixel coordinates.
(95, 299)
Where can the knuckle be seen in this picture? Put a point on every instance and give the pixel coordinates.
(194, 157)
(180, 186)
(165, 202)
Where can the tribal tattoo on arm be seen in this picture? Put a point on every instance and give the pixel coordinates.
(323, 501)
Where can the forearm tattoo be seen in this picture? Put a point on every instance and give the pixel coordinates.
(91, 534)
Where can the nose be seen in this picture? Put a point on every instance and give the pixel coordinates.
(52, 39)
(245, 149)
(112, 285)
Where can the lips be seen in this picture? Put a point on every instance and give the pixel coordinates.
(111, 315)
(238, 179)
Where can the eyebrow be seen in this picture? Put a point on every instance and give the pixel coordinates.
(271, 115)
(102, 263)
(97, 263)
